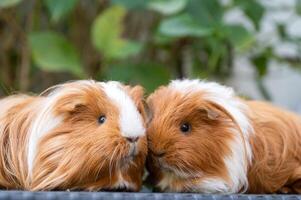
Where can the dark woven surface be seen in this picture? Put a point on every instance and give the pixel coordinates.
(15, 195)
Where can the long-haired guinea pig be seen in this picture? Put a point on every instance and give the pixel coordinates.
(81, 135)
(203, 138)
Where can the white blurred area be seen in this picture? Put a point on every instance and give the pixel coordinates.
(282, 82)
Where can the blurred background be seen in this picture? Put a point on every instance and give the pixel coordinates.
(251, 45)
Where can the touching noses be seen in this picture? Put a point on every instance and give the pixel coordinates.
(132, 139)
(159, 153)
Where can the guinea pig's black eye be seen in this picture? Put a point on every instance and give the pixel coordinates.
(102, 119)
(185, 128)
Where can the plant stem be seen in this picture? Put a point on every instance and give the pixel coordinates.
(25, 52)
(263, 90)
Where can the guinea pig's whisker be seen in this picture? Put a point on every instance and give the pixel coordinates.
(178, 169)
(99, 170)
(133, 163)
(111, 160)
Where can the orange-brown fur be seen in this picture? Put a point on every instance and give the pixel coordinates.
(276, 149)
(78, 153)
(276, 144)
(14, 124)
(168, 108)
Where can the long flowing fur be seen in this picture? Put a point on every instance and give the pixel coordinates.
(234, 145)
(15, 119)
(54, 141)
(276, 150)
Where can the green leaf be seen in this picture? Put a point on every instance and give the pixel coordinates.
(132, 4)
(240, 37)
(8, 3)
(253, 9)
(106, 35)
(182, 26)
(150, 75)
(161, 39)
(59, 8)
(167, 7)
(205, 12)
(52, 52)
(298, 7)
(216, 50)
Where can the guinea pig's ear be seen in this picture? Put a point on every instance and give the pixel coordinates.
(137, 94)
(73, 106)
(70, 103)
(148, 115)
(209, 113)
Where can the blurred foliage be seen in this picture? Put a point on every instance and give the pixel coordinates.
(9, 3)
(109, 42)
(58, 8)
(136, 41)
(52, 52)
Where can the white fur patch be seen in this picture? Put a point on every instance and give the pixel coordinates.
(166, 182)
(236, 163)
(44, 122)
(130, 121)
(212, 185)
(9, 102)
(206, 185)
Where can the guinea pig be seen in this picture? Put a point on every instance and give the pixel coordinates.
(81, 135)
(203, 138)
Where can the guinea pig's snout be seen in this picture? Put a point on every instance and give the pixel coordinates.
(133, 149)
(133, 145)
(159, 153)
(132, 139)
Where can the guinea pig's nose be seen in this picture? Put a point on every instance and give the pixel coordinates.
(132, 139)
(159, 153)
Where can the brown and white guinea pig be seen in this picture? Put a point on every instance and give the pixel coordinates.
(203, 138)
(81, 135)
